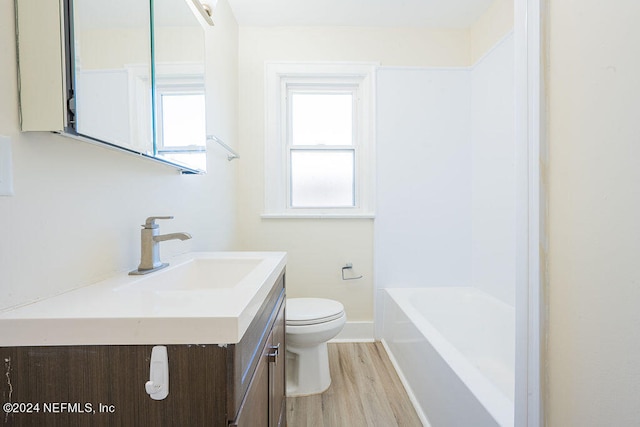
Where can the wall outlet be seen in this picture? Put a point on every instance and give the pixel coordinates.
(6, 167)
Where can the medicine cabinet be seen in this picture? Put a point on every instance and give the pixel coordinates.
(126, 73)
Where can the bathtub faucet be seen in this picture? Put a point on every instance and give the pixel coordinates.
(150, 245)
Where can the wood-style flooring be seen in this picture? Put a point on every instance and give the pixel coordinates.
(365, 391)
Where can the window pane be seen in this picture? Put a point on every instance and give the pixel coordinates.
(322, 178)
(183, 121)
(321, 119)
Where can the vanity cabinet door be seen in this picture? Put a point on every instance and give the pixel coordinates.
(264, 403)
(245, 356)
(104, 386)
(277, 382)
(254, 410)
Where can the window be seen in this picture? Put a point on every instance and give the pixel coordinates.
(319, 142)
(180, 122)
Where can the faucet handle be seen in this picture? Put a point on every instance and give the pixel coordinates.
(150, 222)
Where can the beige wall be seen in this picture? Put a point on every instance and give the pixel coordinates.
(593, 356)
(490, 28)
(77, 207)
(390, 46)
(319, 248)
(172, 44)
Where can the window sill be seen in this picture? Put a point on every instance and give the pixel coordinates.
(289, 215)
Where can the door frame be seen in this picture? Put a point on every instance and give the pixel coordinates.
(531, 242)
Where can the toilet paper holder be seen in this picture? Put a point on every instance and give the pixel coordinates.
(349, 266)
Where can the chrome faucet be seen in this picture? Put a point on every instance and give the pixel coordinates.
(150, 245)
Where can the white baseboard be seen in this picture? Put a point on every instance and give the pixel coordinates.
(355, 332)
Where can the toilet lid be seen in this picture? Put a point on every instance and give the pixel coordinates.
(311, 311)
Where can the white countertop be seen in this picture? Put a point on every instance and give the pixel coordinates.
(118, 311)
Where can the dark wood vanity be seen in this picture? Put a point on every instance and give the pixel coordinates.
(239, 384)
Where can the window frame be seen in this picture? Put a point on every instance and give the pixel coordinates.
(322, 88)
(281, 80)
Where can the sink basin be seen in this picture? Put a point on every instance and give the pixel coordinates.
(200, 298)
(196, 274)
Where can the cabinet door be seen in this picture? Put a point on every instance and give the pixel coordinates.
(277, 383)
(110, 380)
(254, 410)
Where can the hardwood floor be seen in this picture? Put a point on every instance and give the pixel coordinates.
(365, 391)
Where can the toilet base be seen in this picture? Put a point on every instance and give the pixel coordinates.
(307, 370)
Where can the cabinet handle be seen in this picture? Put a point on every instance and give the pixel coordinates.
(273, 354)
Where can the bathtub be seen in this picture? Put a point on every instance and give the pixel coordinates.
(454, 348)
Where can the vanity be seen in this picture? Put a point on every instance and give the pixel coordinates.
(85, 357)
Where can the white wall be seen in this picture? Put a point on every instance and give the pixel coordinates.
(423, 213)
(593, 339)
(319, 248)
(445, 167)
(76, 214)
(493, 172)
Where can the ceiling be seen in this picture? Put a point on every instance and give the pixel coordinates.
(437, 14)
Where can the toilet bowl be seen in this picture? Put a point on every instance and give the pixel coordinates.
(311, 322)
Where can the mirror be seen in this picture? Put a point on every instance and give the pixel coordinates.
(112, 70)
(139, 84)
(178, 46)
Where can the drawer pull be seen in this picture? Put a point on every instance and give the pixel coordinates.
(273, 354)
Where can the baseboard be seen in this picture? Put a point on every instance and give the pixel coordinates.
(355, 332)
(405, 383)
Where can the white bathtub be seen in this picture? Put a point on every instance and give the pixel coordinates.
(454, 347)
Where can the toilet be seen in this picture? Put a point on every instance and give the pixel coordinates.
(311, 322)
